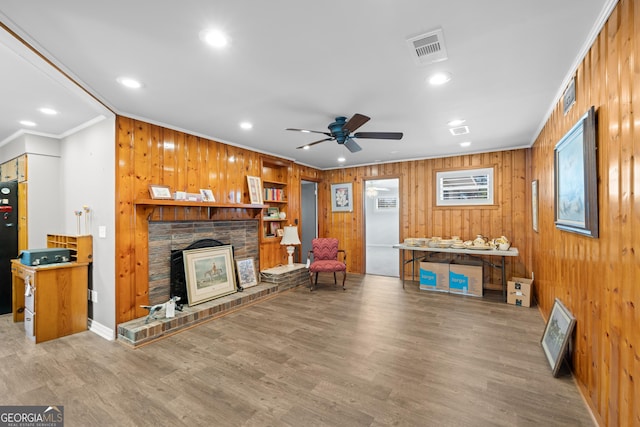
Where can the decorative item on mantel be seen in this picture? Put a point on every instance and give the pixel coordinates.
(289, 239)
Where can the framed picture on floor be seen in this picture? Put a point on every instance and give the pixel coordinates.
(209, 273)
(246, 273)
(556, 336)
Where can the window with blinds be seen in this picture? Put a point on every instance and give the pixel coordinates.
(465, 187)
(387, 203)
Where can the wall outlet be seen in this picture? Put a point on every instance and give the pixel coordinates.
(93, 296)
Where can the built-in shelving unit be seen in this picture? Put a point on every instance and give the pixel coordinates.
(275, 176)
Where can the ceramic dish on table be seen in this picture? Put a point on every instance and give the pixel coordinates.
(480, 247)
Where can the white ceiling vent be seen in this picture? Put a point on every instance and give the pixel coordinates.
(428, 48)
(461, 130)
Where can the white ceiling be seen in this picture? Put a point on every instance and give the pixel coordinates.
(299, 64)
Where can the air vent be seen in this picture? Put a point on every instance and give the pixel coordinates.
(428, 48)
(461, 130)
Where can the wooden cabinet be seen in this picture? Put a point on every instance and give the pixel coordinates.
(51, 300)
(14, 169)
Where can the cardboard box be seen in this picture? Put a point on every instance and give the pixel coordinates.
(434, 276)
(465, 279)
(519, 291)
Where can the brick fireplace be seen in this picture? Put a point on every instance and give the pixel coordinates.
(167, 236)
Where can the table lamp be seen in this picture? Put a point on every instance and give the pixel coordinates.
(290, 238)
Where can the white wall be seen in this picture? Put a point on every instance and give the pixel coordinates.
(88, 178)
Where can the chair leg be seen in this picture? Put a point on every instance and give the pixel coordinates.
(344, 277)
(310, 281)
(335, 281)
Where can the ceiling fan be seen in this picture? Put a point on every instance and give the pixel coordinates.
(341, 131)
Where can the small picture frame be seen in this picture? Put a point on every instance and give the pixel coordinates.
(557, 334)
(342, 197)
(273, 212)
(157, 191)
(207, 195)
(246, 273)
(255, 190)
(280, 232)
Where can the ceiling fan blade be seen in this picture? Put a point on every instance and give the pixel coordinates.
(352, 146)
(309, 131)
(379, 135)
(314, 143)
(355, 122)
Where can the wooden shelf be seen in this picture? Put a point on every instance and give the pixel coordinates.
(268, 183)
(195, 204)
(81, 247)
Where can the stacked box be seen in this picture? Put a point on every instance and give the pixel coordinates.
(434, 276)
(519, 291)
(465, 279)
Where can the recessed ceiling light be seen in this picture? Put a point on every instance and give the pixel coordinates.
(214, 38)
(465, 144)
(305, 131)
(341, 159)
(27, 123)
(48, 111)
(439, 78)
(246, 125)
(129, 82)
(456, 122)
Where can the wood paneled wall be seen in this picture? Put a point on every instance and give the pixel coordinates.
(598, 279)
(149, 154)
(419, 217)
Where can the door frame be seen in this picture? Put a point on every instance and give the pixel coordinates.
(364, 214)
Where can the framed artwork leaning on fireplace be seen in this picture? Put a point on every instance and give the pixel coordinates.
(209, 273)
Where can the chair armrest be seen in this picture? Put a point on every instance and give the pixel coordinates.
(344, 255)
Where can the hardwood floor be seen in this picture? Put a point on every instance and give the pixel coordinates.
(373, 355)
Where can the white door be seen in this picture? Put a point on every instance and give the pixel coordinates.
(382, 226)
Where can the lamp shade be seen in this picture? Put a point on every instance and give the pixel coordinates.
(290, 236)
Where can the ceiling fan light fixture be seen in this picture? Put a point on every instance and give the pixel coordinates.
(439, 78)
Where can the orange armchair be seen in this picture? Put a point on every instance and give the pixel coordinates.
(325, 260)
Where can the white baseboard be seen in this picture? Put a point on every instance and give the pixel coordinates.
(101, 330)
